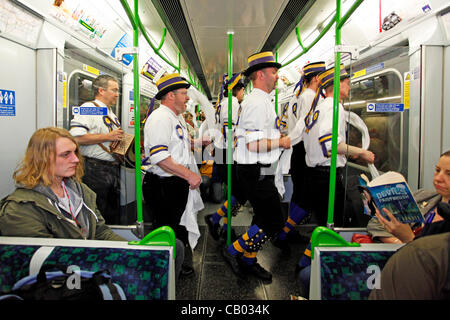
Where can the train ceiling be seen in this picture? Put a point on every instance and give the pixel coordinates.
(201, 28)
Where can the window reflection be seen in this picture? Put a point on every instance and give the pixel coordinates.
(384, 127)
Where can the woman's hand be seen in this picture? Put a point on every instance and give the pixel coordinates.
(400, 230)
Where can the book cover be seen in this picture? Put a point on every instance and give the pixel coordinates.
(123, 145)
(390, 191)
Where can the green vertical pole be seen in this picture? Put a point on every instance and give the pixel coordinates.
(276, 88)
(336, 85)
(229, 140)
(137, 132)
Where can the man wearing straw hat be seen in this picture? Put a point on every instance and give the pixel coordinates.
(258, 145)
(317, 140)
(220, 154)
(299, 105)
(167, 144)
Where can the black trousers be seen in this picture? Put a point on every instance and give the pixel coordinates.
(263, 196)
(103, 177)
(166, 200)
(222, 172)
(317, 183)
(298, 171)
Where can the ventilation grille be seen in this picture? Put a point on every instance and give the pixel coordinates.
(292, 13)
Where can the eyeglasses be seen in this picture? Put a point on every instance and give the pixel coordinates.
(115, 90)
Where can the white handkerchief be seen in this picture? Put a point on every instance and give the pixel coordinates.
(189, 217)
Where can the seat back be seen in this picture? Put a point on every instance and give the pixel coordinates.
(343, 273)
(144, 272)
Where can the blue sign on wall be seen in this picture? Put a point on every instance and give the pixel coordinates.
(385, 107)
(375, 67)
(124, 42)
(89, 111)
(7, 103)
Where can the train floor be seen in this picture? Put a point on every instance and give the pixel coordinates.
(214, 279)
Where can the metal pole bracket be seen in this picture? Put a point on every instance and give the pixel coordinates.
(353, 50)
(120, 52)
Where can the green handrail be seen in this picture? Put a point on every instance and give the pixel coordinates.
(163, 38)
(192, 82)
(137, 134)
(320, 36)
(299, 39)
(144, 33)
(347, 15)
(336, 86)
(337, 71)
(229, 142)
(136, 23)
(130, 15)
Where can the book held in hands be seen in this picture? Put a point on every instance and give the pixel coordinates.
(389, 191)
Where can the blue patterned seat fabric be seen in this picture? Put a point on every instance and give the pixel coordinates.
(344, 274)
(142, 274)
(14, 264)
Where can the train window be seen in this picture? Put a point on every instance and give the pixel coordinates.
(144, 105)
(385, 128)
(80, 91)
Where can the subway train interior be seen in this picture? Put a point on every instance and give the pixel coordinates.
(396, 53)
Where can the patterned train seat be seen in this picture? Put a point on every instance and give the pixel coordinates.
(144, 272)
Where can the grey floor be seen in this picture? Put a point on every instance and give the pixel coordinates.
(214, 279)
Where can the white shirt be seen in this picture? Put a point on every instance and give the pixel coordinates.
(318, 139)
(258, 121)
(83, 124)
(166, 134)
(299, 107)
(222, 120)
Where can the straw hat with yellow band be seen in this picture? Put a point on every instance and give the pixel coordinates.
(169, 83)
(166, 84)
(235, 81)
(309, 69)
(229, 85)
(326, 79)
(259, 61)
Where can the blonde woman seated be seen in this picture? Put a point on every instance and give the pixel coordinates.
(394, 231)
(50, 201)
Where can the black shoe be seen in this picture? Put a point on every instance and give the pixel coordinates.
(187, 271)
(257, 271)
(213, 228)
(223, 234)
(233, 262)
(283, 245)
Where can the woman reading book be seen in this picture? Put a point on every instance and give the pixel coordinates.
(392, 231)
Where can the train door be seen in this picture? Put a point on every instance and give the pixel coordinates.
(377, 96)
(17, 107)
